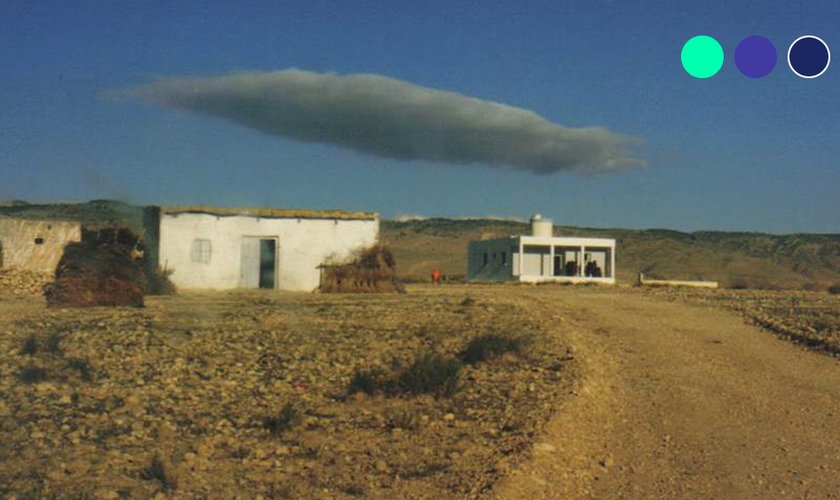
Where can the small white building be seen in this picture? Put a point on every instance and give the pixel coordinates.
(224, 248)
(542, 257)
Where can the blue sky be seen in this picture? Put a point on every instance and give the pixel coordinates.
(728, 153)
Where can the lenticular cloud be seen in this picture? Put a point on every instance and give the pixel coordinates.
(394, 119)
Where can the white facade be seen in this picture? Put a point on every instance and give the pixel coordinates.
(227, 250)
(545, 258)
(35, 245)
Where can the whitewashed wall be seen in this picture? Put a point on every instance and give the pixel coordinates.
(302, 245)
(497, 268)
(20, 251)
(536, 259)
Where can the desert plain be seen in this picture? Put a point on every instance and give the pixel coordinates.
(581, 392)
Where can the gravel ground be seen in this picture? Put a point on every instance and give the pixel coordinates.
(808, 318)
(171, 400)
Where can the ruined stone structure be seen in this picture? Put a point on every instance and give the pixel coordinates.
(35, 245)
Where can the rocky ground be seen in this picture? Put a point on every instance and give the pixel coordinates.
(808, 318)
(245, 395)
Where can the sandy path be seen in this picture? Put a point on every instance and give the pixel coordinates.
(683, 402)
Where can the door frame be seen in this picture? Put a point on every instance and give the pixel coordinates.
(276, 240)
(259, 238)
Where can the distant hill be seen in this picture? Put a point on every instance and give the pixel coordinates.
(94, 214)
(753, 260)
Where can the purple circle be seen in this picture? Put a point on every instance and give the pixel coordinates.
(755, 56)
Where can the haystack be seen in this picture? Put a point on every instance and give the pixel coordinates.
(373, 270)
(99, 271)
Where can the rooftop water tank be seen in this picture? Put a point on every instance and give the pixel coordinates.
(541, 227)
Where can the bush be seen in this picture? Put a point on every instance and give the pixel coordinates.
(98, 271)
(489, 346)
(739, 284)
(161, 471)
(284, 421)
(82, 366)
(53, 343)
(370, 382)
(430, 374)
(29, 347)
(32, 375)
(158, 282)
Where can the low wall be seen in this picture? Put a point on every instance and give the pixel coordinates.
(696, 284)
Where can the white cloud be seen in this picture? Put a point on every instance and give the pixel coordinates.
(393, 119)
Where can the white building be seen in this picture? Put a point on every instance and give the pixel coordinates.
(223, 248)
(542, 257)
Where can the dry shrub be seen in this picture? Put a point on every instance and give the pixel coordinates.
(283, 421)
(370, 382)
(98, 271)
(29, 347)
(32, 374)
(160, 469)
(158, 282)
(82, 367)
(428, 374)
(489, 346)
(739, 283)
(373, 270)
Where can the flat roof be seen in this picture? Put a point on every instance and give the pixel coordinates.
(553, 240)
(26, 220)
(276, 213)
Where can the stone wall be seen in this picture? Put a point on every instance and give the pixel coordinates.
(20, 283)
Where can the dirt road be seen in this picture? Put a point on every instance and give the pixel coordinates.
(683, 402)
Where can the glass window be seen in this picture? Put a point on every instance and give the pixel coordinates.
(201, 251)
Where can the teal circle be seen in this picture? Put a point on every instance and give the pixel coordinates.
(702, 56)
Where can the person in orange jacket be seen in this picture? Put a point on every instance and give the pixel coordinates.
(436, 275)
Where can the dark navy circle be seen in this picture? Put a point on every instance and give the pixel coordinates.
(808, 56)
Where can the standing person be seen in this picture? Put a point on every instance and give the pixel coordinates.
(436, 274)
